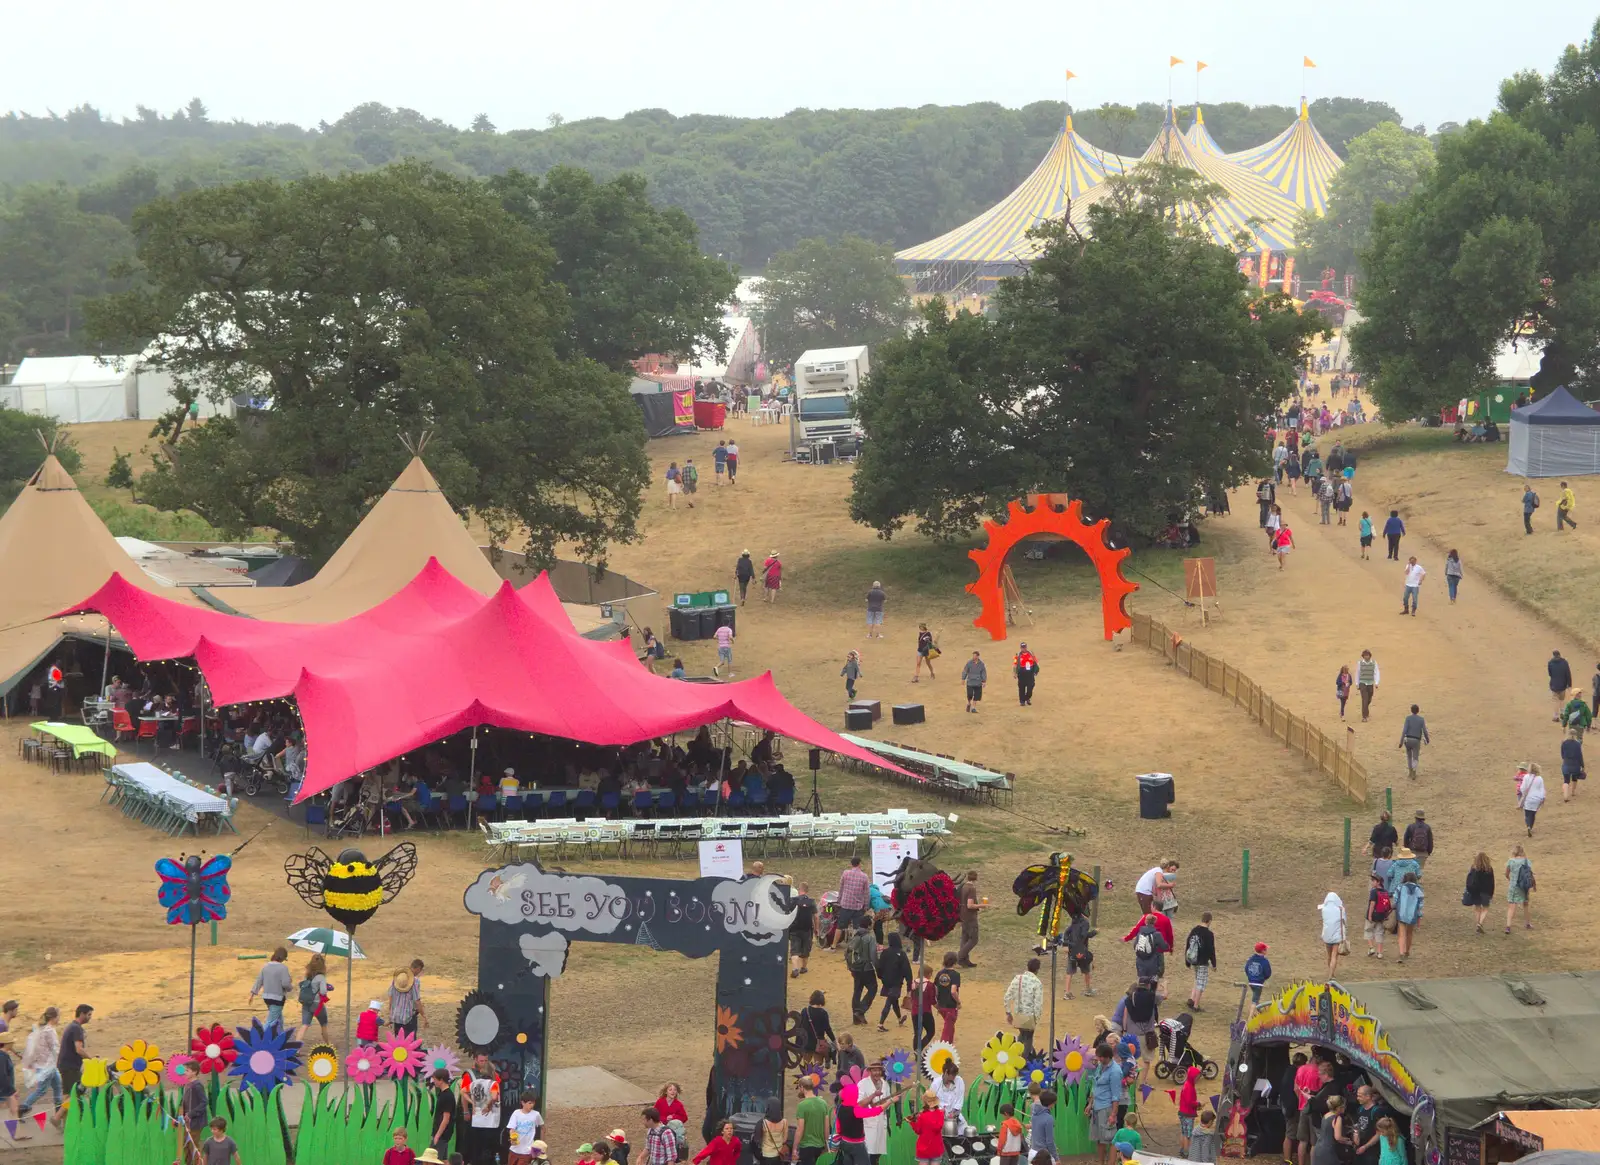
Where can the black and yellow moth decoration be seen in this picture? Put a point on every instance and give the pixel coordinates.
(350, 888)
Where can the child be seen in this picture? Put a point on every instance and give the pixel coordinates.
(1079, 957)
(1391, 1145)
(1127, 1134)
(1009, 1139)
(401, 1153)
(523, 1128)
(1378, 907)
(586, 1154)
(851, 673)
(367, 1024)
(1042, 1128)
(1366, 533)
(1188, 1109)
(1203, 1145)
(1257, 970)
(1342, 683)
(220, 1149)
(619, 1146)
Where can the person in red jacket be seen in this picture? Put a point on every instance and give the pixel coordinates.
(722, 1149)
(1162, 923)
(669, 1107)
(1188, 1108)
(929, 1127)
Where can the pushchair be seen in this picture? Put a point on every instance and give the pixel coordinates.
(1176, 1054)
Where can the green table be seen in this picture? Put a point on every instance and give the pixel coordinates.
(970, 776)
(80, 736)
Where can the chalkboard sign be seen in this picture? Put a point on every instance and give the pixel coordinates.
(1463, 1148)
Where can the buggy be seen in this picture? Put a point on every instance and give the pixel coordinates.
(1176, 1053)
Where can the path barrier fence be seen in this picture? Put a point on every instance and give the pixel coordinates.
(1298, 734)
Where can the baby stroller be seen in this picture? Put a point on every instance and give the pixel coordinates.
(1177, 1054)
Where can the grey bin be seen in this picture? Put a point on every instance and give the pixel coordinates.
(1156, 792)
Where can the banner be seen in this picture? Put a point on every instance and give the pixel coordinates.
(683, 408)
(887, 854)
(722, 859)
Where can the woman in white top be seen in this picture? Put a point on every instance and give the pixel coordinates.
(1531, 796)
(39, 1060)
(1333, 933)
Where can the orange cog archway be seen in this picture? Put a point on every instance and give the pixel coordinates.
(1067, 524)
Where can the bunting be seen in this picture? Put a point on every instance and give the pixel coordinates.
(1144, 1091)
(1214, 1101)
(1172, 1095)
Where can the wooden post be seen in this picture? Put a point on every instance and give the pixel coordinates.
(1347, 847)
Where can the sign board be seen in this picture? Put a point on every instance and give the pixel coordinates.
(1199, 578)
(1463, 1148)
(887, 854)
(722, 858)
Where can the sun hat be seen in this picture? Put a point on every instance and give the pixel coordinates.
(402, 981)
(430, 1156)
(1420, 815)
(618, 1136)
(537, 1149)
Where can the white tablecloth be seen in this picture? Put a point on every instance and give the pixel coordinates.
(153, 780)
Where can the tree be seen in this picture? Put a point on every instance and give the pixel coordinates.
(1495, 245)
(1130, 369)
(634, 273)
(1386, 164)
(53, 257)
(355, 310)
(23, 440)
(827, 294)
(120, 475)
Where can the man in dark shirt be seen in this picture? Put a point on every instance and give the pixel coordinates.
(947, 996)
(196, 1116)
(73, 1049)
(1419, 839)
(802, 930)
(1383, 833)
(1289, 1104)
(1364, 1123)
(1317, 1107)
(1560, 673)
(444, 1113)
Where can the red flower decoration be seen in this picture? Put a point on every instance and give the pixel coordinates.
(930, 910)
(213, 1049)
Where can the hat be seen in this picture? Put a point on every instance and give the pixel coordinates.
(1261, 948)
(1126, 1149)
(1403, 852)
(375, 1005)
(1420, 815)
(402, 981)
(510, 772)
(586, 1147)
(745, 553)
(537, 1149)
(774, 554)
(430, 1156)
(618, 1136)
(7, 1037)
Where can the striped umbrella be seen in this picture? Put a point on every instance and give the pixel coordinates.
(325, 941)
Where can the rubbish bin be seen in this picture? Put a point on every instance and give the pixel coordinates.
(1156, 792)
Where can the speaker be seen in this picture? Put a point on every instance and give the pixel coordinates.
(908, 714)
(855, 720)
(816, 754)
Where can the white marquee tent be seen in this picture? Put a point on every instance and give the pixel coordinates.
(72, 389)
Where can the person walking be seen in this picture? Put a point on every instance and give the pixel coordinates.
(1407, 913)
(1419, 839)
(1452, 573)
(743, 571)
(1364, 528)
(675, 486)
(875, 601)
(1531, 796)
(1075, 939)
(691, 481)
(1334, 936)
(1344, 498)
(861, 957)
(771, 577)
(1479, 893)
(719, 462)
(1572, 770)
(1384, 835)
(1342, 683)
(1325, 500)
(39, 1058)
(972, 903)
(1367, 678)
(273, 984)
(1393, 530)
(1200, 956)
(1530, 503)
(1564, 507)
(927, 652)
(1376, 917)
(724, 638)
(1273, 524)
(1267, 493)
(733, 462)
(1024, 1004)
(1415, 573)
(1560, 673)
(974, 674)
(854, 888)
(1025, 666)
(947, 997)
(1520, 885)
(851, 673)
(1413, 735)
(1282, 543)
(1257, 972)
(894, 979)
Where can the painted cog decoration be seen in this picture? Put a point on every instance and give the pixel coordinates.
(1040, 521)
(936, 1054)
(482, 1024)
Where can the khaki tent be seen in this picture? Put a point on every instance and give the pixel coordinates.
(54, 552)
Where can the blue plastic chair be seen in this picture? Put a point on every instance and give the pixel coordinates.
(457, 806)
(708, 798)
(666, 800)
(509, 804)
(785, 799)
(736, 801)
(316, 815)
(610, 803)
(642, 802)
(756, 799)
(555, 801)
(584, 802)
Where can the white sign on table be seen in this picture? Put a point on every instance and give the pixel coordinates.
(887, 854)
(721, 858)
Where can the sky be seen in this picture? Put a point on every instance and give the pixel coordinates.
(306, 61)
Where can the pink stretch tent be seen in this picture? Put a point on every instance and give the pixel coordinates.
(511, 659)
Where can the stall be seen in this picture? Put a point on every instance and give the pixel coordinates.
(1446, 1054)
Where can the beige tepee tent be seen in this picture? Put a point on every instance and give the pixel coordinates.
(54, 552)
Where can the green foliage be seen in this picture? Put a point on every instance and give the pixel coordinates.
(827, 294)
(21, 449)
(337, 1127)
(120, 475)
(634, 274)
(1498, 240)
(357, 309)
(1384, 165)
(753, 186)
(53, 257)
(1129, 370)
(112, 1126)
(125, 521)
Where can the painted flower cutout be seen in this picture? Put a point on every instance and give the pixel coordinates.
(363, 1066)
(848, 1078)
(322, 1064)
(1003, 1057)
(94, 1073)
(1038, 1071)
(769, 1037)
(729, 1034)
(482, 1024)
(1069, 1059)
(899, 1068)
(139, 1066)
(736, 1063)
(213, 1048)
(266, 1058)
(441, 1056)
(936, 1055)
(400, 1054)
(181, 1068)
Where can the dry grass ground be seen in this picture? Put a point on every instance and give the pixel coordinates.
(84, 925)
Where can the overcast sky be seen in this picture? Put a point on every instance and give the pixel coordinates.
(520, 60)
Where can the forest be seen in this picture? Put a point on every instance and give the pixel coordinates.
(69, 183)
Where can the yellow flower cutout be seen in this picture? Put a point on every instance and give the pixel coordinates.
(1002, 1057)
(322, 1065)
(139, 1066)
(94, 1074)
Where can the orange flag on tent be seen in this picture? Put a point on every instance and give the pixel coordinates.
(1198, 65)
(1174, 61)
(1070, 74)
(1308, 62)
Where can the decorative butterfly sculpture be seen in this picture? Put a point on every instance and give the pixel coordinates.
(195, 891)
(1063, 891)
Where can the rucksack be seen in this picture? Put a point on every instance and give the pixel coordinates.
(1536, 501)
(1525, 877)
(1145, 944)
(308, 993)
(1191, 953)
(1381, 905)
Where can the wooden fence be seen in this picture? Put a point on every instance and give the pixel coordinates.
(1296, 732)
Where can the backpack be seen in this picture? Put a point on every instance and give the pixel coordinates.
(1525, 880)
(691, 475)
(308, 993)
(1191, 953)
(1536, 501)
(1381, 905)
(1145, 944)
